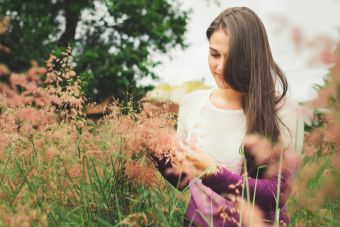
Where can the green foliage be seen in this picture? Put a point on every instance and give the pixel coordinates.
(113, 40)
(30, 32)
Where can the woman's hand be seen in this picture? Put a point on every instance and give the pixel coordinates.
(192, 160)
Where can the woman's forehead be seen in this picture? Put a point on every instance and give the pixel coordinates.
(219, 41)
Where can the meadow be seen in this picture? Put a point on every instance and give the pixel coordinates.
(60, 168)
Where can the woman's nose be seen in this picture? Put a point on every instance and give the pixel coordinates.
(220, 66)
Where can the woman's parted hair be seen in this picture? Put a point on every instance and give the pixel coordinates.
(251, 70)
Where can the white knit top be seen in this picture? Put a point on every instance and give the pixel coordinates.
(220, 132)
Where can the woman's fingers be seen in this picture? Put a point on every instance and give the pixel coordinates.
(194, 147)
(189, 154)
(190, 158)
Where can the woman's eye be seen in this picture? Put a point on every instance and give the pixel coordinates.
(214, 55)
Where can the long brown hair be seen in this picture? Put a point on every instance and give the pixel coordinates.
(251, 70)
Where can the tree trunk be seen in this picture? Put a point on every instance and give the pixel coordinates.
(72, 10)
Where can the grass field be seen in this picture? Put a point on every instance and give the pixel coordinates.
(59, 168)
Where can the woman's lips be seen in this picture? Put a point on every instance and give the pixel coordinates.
(219, 76)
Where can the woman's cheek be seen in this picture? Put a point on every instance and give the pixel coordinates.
(212, 64)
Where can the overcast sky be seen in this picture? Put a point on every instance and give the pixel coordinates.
(313, 18)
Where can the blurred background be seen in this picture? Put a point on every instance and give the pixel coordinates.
(302, 35)
(159, 47)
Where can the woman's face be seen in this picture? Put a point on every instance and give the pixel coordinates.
(218, 51)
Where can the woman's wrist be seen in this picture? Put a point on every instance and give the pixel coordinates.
(209, 171)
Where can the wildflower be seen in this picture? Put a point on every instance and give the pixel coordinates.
(324, 95)
(4, 71)
(34, 73)
(309, 149)
(34, 117)
(26, 129)
(4, 24)
(315, 136)
(332, 134)
(4, 49)
(50, 154)
(251, 215)
(336, 161)
(141, 174)
(75, 171)
(136, 219)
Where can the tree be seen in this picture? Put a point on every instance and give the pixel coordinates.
(113, 40)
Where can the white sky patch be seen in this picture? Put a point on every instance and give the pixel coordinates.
(313, 18)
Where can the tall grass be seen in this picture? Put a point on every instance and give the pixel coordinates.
(59, 168)
(87, 191)
(315, 200)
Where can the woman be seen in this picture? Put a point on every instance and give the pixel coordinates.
(214, 124)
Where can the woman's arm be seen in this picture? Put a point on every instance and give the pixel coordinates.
(265, 190)
(178, 180)
(164, 165)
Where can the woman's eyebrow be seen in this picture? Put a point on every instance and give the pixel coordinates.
(213, 49)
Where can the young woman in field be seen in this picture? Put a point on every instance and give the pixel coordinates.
(250, 98)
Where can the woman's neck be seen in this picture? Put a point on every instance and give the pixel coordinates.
(226, 98)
